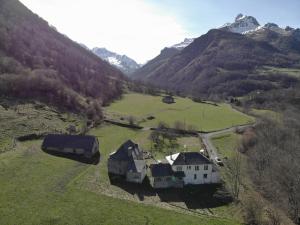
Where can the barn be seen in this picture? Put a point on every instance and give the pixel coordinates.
(86, 146)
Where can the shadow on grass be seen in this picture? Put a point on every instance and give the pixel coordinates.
(79, 158)
(141, 190)
(197, 196)
(194, 196)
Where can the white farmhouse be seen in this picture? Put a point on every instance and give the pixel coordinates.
(197, 168)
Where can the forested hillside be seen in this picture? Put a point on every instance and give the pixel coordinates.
(37, 62)
(273, 149)
(225, 64)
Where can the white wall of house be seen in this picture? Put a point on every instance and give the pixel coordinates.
(197, 174)
(215, 177)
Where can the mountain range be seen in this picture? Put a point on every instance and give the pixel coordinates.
(37, 62)
(228, 61)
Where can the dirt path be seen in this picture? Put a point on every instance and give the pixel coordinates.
(206, 138)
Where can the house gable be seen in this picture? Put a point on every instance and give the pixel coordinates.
(196, 167)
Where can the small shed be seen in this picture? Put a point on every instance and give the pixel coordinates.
(86, 146)
(162, 176)
(168, 99)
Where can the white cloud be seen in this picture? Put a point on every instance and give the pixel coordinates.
(131, 27)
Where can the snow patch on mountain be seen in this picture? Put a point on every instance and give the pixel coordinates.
(185, 43)
(122, 62)
(114, 61)
(248, 24)
(242, 24)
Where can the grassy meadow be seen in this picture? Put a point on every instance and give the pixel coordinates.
(19, 118)
(226, 143)
(38, 188)
(266, 70)
(204, 117)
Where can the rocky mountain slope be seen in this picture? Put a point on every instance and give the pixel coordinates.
(37, 62)
(225, 61)
(122, 62)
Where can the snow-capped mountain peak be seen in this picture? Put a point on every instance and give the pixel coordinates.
(248, 25)
(239, 17)
(122, 62)
(242, 24)
(185, 43)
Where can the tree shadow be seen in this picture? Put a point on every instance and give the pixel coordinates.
(79, 158)
(198, 196)
(194, 196)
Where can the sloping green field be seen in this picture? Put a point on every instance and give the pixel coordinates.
(202, 116)
(226, 144)
(37, 188)
(266, 70)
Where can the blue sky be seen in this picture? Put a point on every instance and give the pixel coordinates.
(198, 16)
(142, 28)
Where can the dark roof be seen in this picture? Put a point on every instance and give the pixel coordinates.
(127, 151)
(136, 165)
(61, 141)
(161, 170)
(164, 170)
(191, 158)
(130, 152)
(168, 97)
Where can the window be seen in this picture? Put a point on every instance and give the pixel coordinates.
(179, 168)
(189, 167)
(195, 176)
(196, 167)
(205, 176)
(205, 167)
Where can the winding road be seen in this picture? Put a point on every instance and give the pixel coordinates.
(206, 138)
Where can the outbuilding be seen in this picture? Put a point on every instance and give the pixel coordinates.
(168, 99)
(86, 146)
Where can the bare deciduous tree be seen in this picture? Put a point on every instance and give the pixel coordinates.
(234, 166)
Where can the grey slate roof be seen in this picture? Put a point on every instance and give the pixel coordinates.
(164, 170)
(129, 150)
(191, 158)
(161, 170)
(61, 141)
(136, 165)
